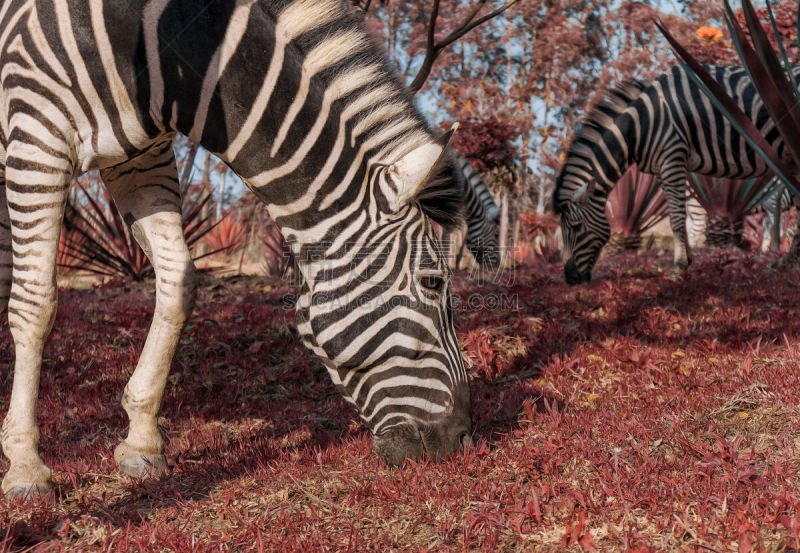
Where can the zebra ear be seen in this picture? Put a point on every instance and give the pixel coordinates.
(409, 174)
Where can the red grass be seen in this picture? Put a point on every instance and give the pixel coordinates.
(632, 414)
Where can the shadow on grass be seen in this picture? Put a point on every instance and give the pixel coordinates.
(729, 299)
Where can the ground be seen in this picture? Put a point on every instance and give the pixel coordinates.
(632, 414)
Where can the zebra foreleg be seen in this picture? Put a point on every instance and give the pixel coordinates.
(36, 190)
(673, 181)
(147, 193)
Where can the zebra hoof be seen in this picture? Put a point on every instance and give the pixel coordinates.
(140, 464)
(27, 482)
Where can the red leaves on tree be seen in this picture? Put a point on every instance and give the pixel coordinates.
(487, 144)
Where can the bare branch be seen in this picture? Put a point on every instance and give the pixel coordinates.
(362, 8)
(458, 33)
(434, 48)
(431, 44)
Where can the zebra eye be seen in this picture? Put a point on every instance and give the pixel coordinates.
(433, 283)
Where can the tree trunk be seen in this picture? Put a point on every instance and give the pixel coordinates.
(737, 233)
(620, 242)
(460, 255)
(223, 176)
(773, 221)
(207, 182)
(503, 242)
(718, 232)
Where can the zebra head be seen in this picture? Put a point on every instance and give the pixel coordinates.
(584, 229)
(376, 308)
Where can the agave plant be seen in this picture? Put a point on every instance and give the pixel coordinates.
(634, 206)
(96, 239)
(227, 235)
(726, 202)
(771, 74)
(279, 259)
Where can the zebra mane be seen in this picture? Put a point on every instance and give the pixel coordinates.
(442, 197)
(385, 122)
(614, 102)
(590, 130)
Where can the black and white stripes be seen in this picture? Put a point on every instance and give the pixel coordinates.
(668, 128)
(293, 96)
(482, 217)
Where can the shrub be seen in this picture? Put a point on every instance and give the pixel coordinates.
(635, 205)
(726, 202)
(97, 240)
(227, 235)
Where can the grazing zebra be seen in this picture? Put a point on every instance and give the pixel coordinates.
(482, 216)
(289, 93)
(668, 127)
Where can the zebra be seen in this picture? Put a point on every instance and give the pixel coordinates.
(482, 217)
(295, 97)
(668, 127)
(696, 221)
(776, 202)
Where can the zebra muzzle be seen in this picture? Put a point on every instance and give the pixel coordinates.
(434, 440)
(573, 276)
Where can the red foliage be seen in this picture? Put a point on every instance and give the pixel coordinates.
(541, 242)
(487, 143)
(227, 235)
(279, 256)
(632, 414)
(731, 198)
(68, 240)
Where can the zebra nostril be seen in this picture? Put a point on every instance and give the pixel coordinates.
(465, 440)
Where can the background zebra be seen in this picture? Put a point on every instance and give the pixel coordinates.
(778, 201)
(696, 222)
(482, 217)
(668, 128)
(293, 97)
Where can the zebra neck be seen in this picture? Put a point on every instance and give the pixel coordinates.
(290, 94)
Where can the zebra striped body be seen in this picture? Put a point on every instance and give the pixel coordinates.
(668, 128)
(481, 215)
(289, 93)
